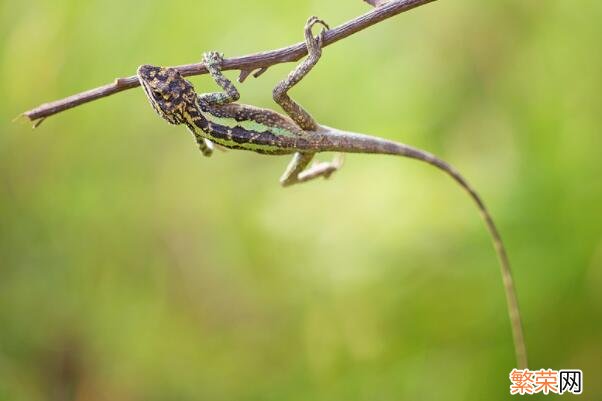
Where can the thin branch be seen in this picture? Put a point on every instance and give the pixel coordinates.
(246, 64)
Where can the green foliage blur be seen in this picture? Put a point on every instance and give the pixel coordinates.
(132, 268)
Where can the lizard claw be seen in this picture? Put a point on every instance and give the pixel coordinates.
(325, 169)
(213, 59)
(313, 20)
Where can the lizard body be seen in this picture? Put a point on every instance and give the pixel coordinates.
(216, 118)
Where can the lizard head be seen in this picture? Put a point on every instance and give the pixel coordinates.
(167, 91)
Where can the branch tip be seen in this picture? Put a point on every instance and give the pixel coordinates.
(260, 71)
(243, 75)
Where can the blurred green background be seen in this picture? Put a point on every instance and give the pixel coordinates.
(132, 268)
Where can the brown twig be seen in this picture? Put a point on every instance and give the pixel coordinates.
(246, 64)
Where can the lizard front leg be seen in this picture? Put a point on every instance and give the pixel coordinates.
(205, 145)
(213, 61)
(294, 173)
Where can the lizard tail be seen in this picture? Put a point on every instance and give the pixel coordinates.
(359, 143)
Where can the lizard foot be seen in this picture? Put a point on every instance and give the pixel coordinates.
(314, 44)
(322, 169)
(213, 59)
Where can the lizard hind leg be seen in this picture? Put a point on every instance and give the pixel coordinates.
(296, 172)
(280, 95)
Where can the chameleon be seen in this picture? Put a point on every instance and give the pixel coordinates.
(217, 119)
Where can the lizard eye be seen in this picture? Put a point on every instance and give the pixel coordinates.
(157, 94)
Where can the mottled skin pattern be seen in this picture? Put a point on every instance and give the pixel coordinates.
(215, 118)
